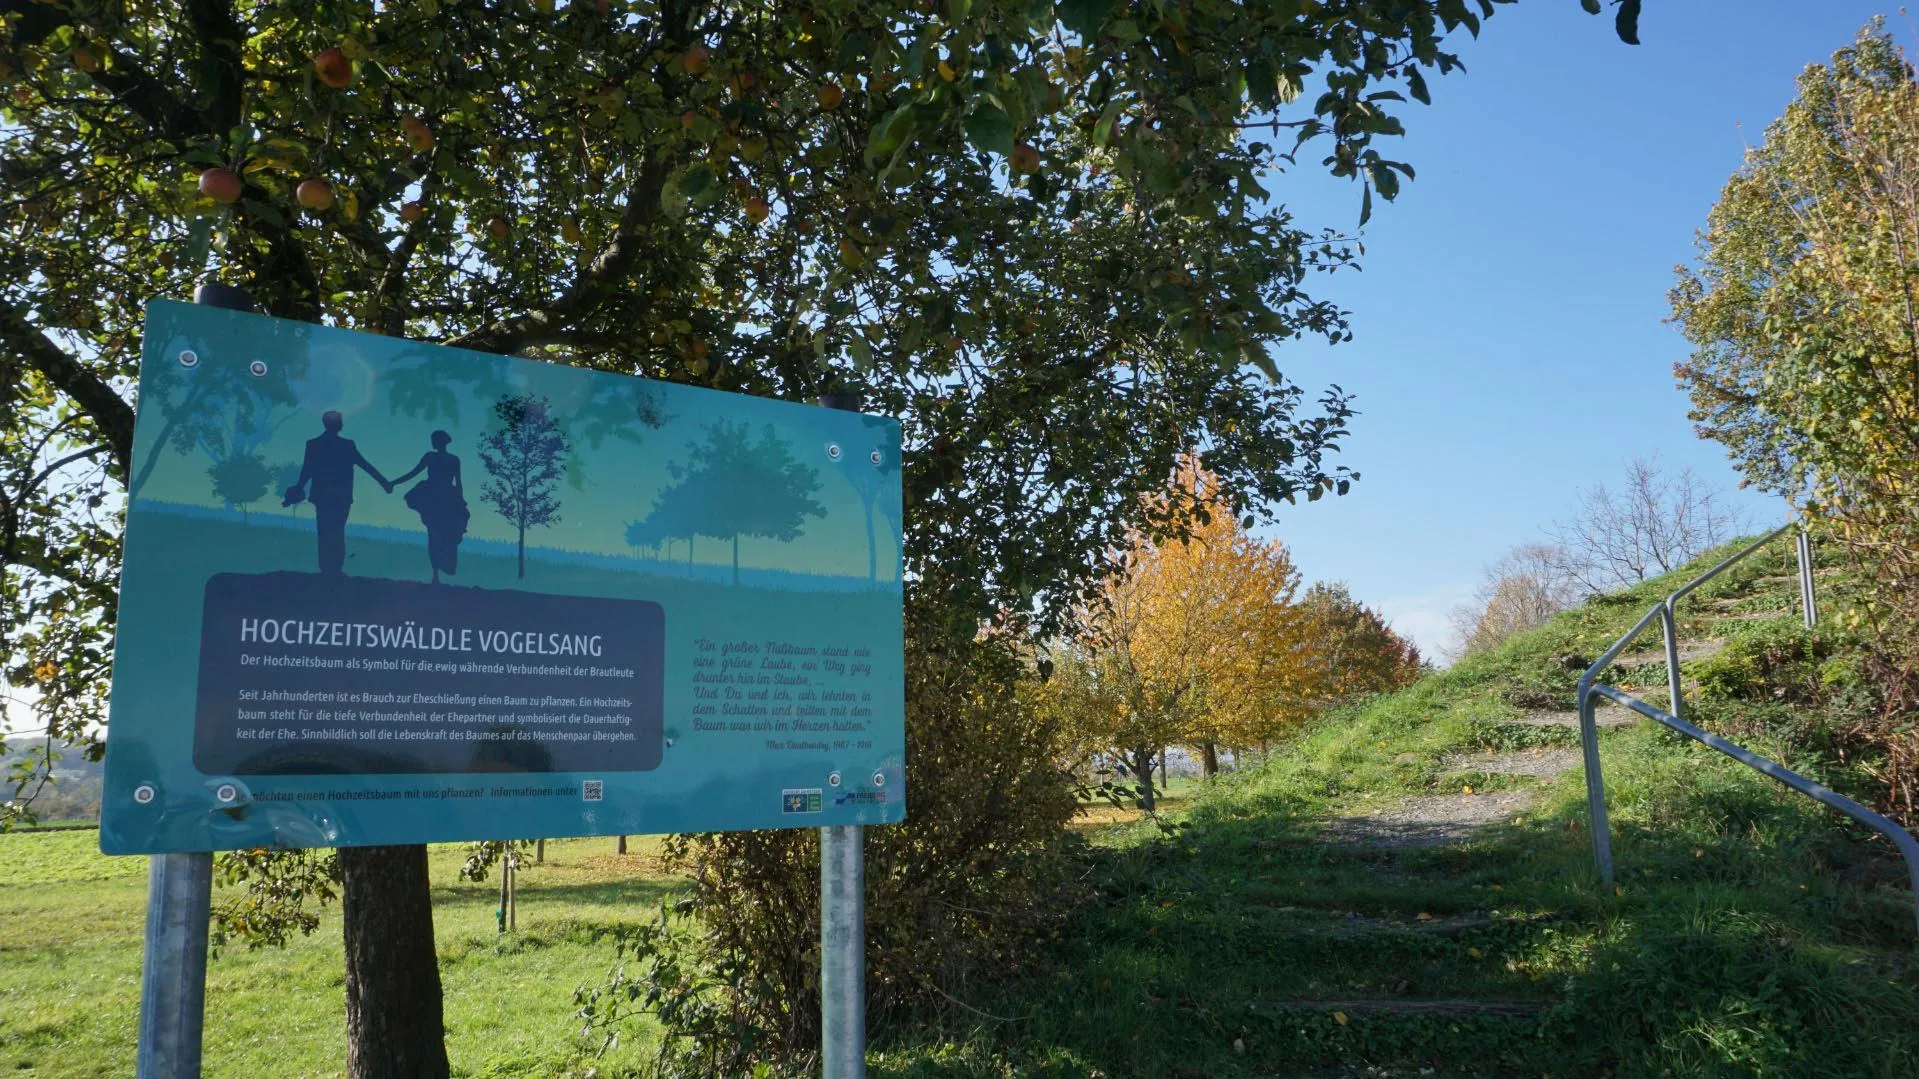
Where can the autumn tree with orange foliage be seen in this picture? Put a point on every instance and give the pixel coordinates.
(1353, 653)
(1195, 641)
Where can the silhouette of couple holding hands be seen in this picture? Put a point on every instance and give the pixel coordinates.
(326, 480)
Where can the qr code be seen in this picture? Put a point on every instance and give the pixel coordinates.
(592, 790)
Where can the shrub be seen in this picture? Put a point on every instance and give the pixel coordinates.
(959, 895)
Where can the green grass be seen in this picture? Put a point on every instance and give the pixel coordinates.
(1751, 933)
(70, 930)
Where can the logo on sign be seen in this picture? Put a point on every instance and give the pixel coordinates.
(800, 801)
(592, 790)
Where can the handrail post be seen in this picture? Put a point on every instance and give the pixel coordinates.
(1595, 782)
(1671, 630)
(1808, 601)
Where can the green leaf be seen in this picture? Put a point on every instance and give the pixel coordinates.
(990, 130)
(1103, 130)
(862, 352)
(1385, 180)
(1416, 86)
(1591, 6)
(1256, 355)
(1627, 21)
(199, 238)
(891, 133)
(1085, 17)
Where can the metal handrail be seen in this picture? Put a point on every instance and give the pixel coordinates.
(1662, 612)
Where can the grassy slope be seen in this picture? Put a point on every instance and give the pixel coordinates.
(70, 925)
(1751, 932)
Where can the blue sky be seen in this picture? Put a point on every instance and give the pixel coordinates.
(1510, 338)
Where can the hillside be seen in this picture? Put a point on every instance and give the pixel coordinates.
(1409, 889)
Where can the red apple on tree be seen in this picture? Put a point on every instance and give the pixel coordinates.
(830, 95)
(314, 194)
(1025, 158)
(696, 59)
(417, 134)
(411, 211)
(498, 228)
(85, 60)
(757, 209)
(221, 184)
(333, 68)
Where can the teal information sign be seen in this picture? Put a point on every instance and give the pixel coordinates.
(377, 591)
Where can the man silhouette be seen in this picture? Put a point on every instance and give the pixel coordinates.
(326, 480)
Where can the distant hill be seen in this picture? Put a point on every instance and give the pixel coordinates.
(75, 791)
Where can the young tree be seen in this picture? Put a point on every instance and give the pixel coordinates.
(526, 456)
(1351, 649)
(1197, 639)
(1805, 331)
(1659, 521)
(1522, 590)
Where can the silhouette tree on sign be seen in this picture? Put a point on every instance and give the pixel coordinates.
(734, 486)
(675, 515)
(240, 480)
(526, 456)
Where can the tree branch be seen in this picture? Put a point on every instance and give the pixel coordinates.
(642, 209)
(32, 554)
(110, 413)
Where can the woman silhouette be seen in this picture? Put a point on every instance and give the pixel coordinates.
(441, 504)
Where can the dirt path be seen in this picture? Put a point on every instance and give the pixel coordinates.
(1440, 819)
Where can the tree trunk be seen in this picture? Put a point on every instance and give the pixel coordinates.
(736, 558)
(395, 1027)
(1143, 775)
(539, 852)
(622, 844)
(1163, 774)
(1209, 759)
(523, 552)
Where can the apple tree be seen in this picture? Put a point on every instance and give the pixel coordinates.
(1042, 234)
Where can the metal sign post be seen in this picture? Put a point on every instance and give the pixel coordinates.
(842, 926)
(173, 973)
(173, 970)
(842, 952)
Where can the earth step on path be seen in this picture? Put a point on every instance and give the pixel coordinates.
(1540, 763)
(1312, 922)
(1688, 652)
(1444, 1009)
(1441, 819)
(1606, 715)
(1427, 821)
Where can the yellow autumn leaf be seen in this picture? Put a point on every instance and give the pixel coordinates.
(1340, 1018)
(1475, 953)
(45, 671)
